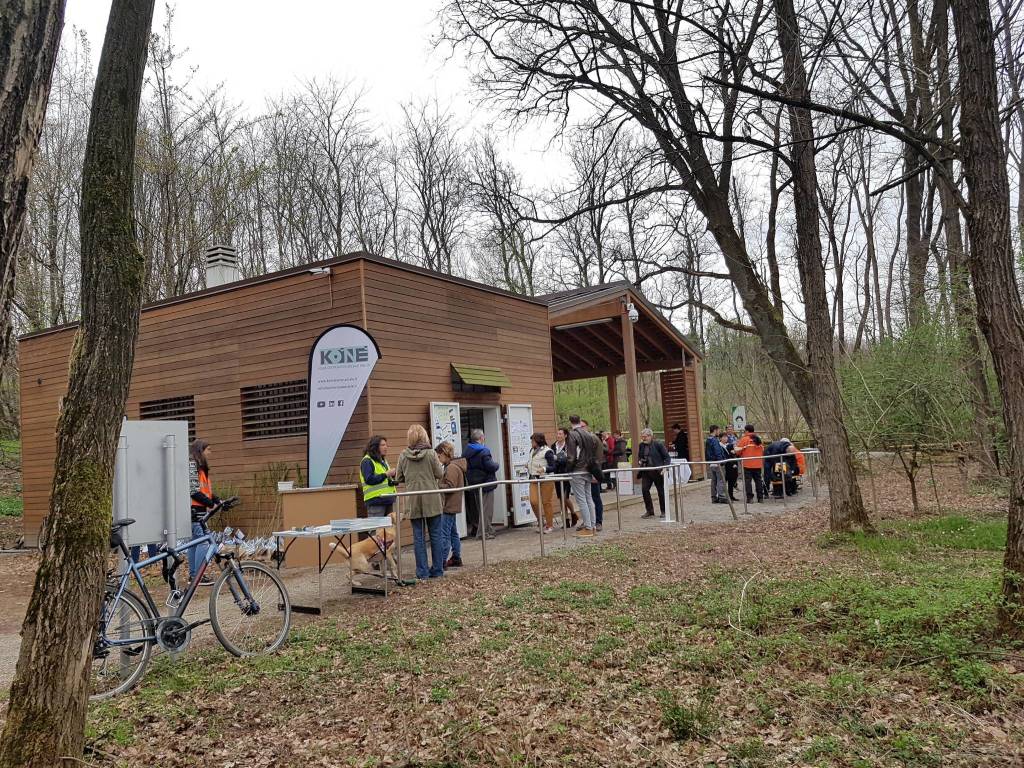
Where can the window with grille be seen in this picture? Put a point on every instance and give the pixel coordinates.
(274, 410)
(182, 408)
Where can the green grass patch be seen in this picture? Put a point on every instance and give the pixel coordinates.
(958, 532)
(898, 624)
(11, 506)
(688, 721)
(952, 532)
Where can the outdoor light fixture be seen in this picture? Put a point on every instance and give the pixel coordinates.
(320, 271)
(583, 324)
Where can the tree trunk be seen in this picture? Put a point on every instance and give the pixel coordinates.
(46, 718)
(917, 242)
(29, 38)
(982, 410)
(1000, 314)
(918, 112)
(825, 402)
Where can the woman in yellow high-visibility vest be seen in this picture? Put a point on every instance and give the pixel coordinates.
(378, 478)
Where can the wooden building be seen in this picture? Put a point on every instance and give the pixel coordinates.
(232, 361)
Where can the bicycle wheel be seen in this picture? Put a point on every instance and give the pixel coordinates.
(117, 668)
(253, 625)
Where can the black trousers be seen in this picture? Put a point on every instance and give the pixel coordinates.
(472, 510)
(732, 476)
(658, 481)
(753, 476)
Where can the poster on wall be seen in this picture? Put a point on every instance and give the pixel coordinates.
(445, 421)
(519, 419)
(340, 364)
(739, 418)
(444, 425)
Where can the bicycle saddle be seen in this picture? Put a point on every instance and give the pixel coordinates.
(119, 524)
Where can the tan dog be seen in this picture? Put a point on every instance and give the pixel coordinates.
(366, 550)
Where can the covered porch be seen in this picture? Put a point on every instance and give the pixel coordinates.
(612, 331)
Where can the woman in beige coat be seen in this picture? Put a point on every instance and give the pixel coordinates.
(420, 470)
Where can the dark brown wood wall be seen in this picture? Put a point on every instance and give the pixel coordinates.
(210, 346)
(680, 403)
(423, 325)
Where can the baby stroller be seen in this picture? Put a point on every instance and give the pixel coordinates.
(781, 470)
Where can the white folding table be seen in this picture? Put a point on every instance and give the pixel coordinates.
(339, 532)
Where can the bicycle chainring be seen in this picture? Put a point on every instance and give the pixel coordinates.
(173, 634)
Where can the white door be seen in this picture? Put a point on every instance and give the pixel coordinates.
(445, 427)
(520, 426)
(496, 442)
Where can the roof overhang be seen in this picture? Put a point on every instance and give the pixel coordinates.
(586, 333)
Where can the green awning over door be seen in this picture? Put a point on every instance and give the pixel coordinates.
(480, 376)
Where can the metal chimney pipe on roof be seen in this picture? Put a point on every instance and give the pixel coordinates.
(221, 265)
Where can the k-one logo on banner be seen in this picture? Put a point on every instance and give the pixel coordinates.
(344, 355)
(340, 364)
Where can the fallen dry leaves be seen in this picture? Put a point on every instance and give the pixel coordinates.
(557, 661)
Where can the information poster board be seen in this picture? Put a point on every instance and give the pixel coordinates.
(739, 418)
(445, 427)
(519, 419)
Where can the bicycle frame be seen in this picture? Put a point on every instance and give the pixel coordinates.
(135, 569)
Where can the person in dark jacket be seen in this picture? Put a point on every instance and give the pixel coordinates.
(562, 491)
(482, 469)
(652, 453)
(378, 478)
(713, 451)
(732, 468)
(203, 500)
(619, 451)
(582, 459)
(681, 442)
(780, 466)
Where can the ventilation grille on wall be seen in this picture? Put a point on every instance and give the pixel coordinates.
(274, 410)
(182, 408)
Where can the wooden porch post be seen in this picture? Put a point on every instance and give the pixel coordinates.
(632, 404)
(613, 403)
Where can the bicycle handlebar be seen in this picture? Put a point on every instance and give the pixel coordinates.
(223, 506)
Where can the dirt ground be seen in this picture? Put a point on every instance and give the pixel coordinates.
(17, 571)
(713, 643)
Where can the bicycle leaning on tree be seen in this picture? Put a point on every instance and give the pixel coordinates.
(249, 608)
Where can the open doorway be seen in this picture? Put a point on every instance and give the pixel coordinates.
(488, 418)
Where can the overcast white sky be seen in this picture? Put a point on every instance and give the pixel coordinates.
(261, 48)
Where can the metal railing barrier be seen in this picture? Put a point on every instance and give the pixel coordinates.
(811, 455)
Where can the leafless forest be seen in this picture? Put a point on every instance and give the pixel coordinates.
(314, 174)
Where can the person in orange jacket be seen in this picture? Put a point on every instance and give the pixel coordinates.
(751, 448)
(801, 460)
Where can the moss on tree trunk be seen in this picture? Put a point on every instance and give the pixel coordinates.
(1000, 313)
(29, 38)
(46, 717)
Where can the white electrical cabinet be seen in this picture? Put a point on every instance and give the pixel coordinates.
(151, 482)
